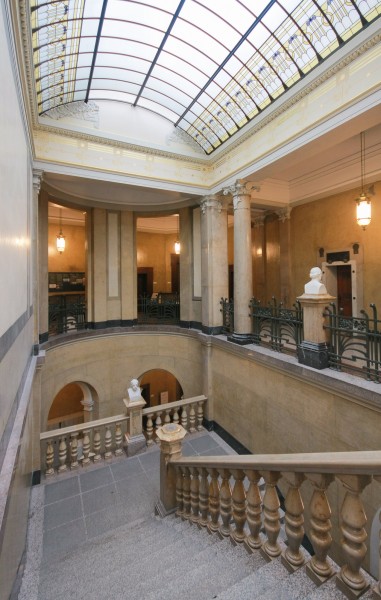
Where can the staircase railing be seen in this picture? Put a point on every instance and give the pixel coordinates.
(80, 445)
(201, 490)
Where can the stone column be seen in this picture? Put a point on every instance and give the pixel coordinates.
(214, 261)
(284, 216)
(37, 179)
(171, 437)
(43, 283)
(243, 274)
(313, 351)
(135, 439)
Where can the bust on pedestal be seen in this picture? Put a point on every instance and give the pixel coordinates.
(134, 438)
(313, 351)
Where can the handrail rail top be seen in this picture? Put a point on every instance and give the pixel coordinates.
(56, 433)
(341, 463)
(176, 404)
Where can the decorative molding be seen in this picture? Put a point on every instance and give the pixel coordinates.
(284, 213)
(38, 176)
(179, 135)
(76, 110)
(209, 202)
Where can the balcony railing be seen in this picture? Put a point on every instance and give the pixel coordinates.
(355, 343)
(66, 313)
(227, 309)
(278, 327)
(164, 308)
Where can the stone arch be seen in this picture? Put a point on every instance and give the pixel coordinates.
(76, 402)
(160, 386)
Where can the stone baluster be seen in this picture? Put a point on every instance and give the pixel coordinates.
(200, 415)
(292, 557)
(49, 458)
(350, 580)
(319, 569)
(149, 430)
(186, 493)
(204, 498)
(97, 445)
(167, 418)
(184, 418)
(192, 419)
(175, 417)
(108, 443)
(214, 502)
(118, 439)
(254, 511)
(62, 455)
(271, 521)
(86, 448)
(74, 451)
(239, 506)
(179, 492)
(158, 422)
(225, 503)
(194, 494)
(171, 437)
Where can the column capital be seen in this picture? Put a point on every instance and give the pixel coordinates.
(38, 175)
(239, 190)
(211, 201)
(284, 213)
(259, 221)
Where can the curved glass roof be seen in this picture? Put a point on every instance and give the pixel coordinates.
(209, 66)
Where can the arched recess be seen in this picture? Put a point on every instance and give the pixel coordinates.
(77, 402)
(159, 387)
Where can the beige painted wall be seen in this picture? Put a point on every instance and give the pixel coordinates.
(154, 250)
(74, 257)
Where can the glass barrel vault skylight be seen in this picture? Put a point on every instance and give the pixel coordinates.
(209, 66)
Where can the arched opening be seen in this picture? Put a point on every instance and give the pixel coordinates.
(159, 387)
(75, 403)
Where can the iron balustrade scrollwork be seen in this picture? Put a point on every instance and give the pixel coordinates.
(355, 342)
(66, 313)
(279, 327)
(227, 315)
(165, 308)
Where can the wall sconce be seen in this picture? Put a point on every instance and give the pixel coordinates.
(364, 207)
(60, 241)
(177, 242)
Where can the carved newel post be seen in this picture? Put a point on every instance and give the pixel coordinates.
(134, 438)
(313, 351)
(171, 436)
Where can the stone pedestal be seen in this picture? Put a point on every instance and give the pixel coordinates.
(171, 437)
(135, 440)
(313, 351)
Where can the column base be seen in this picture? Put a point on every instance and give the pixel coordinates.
(314, 354)
(161, 511)
(241, 338)
(135, 444)
(347, 591)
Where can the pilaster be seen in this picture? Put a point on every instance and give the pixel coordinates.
(37, 180)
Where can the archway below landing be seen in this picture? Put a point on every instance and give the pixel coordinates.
(76, 403)
(159, 387)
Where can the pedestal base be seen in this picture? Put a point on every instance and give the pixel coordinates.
(135, 445)
(161, 511)
(349, 593)
(241, 338)
(314, 354)
(317, 579)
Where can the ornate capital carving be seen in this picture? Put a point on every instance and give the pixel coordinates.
(37, 179)
(259, 221)
(212, 201)
(241, 188)
(284, 213)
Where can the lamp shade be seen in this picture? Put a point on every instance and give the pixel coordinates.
(60, 242)
(363, 211)
(177, 247)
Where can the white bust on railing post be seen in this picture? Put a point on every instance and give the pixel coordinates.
(313, 351)
(134, 439)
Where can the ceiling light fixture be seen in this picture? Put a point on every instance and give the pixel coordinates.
(177, 242)
(364, 207)
(60, 241)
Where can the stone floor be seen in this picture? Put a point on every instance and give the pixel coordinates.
(74, 507)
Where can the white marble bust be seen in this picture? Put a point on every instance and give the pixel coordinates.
(315, 286)
(134, 392)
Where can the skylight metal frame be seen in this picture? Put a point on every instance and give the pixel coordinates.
(229, 75)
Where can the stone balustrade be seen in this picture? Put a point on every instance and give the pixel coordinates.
(79, 445)
(223, 495)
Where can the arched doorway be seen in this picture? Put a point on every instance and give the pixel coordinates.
(159, 387)
(75, 403)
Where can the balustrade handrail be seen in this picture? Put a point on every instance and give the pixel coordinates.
(57, 433)
(342, 463)
(184, 402)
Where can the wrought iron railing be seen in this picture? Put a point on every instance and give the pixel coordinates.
(227, 315)
(66, 313)
(165, 308)
(276, 326)
(355, 343)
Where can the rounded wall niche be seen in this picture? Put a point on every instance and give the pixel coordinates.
(75, 403)
(159, 387)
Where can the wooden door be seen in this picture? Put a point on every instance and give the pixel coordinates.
(344, 290)
(175, 273)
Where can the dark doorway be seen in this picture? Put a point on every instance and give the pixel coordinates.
(231, 282)
(175, 273)
(145, 284)
(344, 290)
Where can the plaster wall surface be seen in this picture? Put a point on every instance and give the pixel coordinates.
(74, 256)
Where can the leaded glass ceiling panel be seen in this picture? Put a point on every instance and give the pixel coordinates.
(209, 67)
